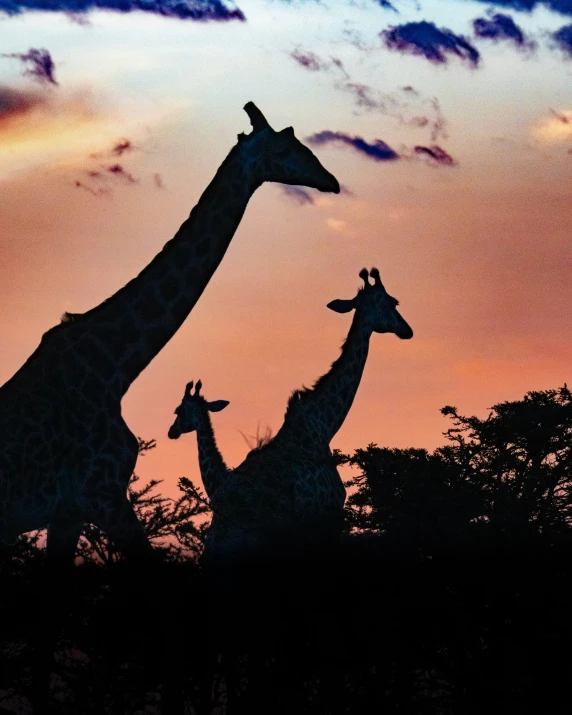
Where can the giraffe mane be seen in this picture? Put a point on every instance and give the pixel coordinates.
(305, 393)
(70, 317)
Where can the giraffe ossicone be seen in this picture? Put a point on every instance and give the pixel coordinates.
(288, 491)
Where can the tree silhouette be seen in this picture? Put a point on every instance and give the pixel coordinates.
(445, 595)
(509, 474)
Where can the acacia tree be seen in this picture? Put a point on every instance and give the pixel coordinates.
(521, 458)
(510, 473)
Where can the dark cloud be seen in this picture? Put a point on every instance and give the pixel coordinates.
(16, 103)
(561, 117)
(378, 150)
(564, 7)
(338, 63)
(501, 27)
(122, 146)
(99, 191)
(563, 39)
(200, 10)
(311, 61)
(297, 194)
(427, 40)
(386, 4)
(40, 63)
(118, 170)
(437, 154)
(406, 105)
(308, 60)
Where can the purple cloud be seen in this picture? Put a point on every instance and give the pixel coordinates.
(563, 39)
(564, 7)
(42, 66)
(308, 60)
(427, 40)
(437, 154)
(501, 27)
(378, 150)
(199, 10)
(122, 146)
(15, 103)
(406, 105)
(298, 194)
(118, 170)
(101, 191)
(561, 117)
(386, 4)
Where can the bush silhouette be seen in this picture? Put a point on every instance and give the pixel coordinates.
(448, 593)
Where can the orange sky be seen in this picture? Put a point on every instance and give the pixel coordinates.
(478, 254)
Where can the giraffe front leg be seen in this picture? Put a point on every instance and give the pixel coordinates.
(121, 524)
(59, 596)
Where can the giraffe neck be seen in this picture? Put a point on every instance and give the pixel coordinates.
(321, 411)
(126, 331)
(212, 465)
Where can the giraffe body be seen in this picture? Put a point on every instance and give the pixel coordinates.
(67, 454)
(288, 491)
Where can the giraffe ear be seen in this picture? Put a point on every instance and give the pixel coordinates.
(217, 405)
(342, 306)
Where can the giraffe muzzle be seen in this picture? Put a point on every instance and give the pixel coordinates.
(330, 184)
(174, 433)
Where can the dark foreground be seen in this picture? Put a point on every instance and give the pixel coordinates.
(371, 629)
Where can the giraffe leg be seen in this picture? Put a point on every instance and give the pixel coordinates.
(59, 592)
(149, 581)
(123, 527)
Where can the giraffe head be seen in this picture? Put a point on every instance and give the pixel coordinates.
(190, 410)
(280, 157)
(377, 307)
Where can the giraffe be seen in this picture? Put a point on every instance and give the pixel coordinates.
(288, 491)
(67, 454)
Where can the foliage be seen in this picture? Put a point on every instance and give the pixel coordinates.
(444, 597)
(509, 474)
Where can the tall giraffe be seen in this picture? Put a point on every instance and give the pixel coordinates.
(66, 453)
(289, 490)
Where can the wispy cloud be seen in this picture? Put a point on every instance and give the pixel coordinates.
(296, 193)
(561, 117)
(122, 146)
(436, 154)
(158, 181)
(377, 150)
(563, 39)
(198, 10)
(501, 27)
(561, 6)
(39, 63)
(556, 128)
(427, 40)
(16, 104)
(406, 104)
(309, 60)
(103, 191)
(119, 171)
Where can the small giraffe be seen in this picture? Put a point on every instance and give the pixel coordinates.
(66, 453)
(289, 490)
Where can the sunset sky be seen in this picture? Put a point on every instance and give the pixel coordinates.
(448, 124)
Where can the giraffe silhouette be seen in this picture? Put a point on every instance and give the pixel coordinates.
(67, 454)
(288, 491)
